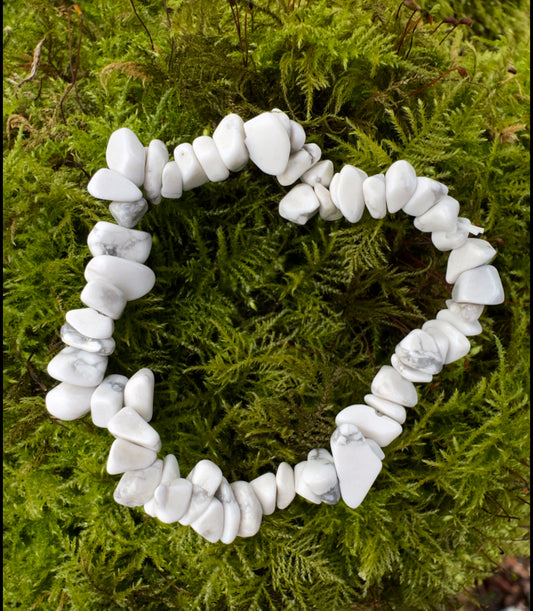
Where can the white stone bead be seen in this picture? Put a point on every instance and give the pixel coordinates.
(284, 485)
(171, 469)
(389, 408)
(267, 142)
(427, 193)
(156, 159)
(108, 399)
(102, 296)
(333, 186)
(466, 327)
(207, 475)
(199, 503)
(207, 154)
(356, 463)
(132, 278)
(110, 239)
(191, 171)
(458, 344)
(126, 456)
(299, 163)
(374, 196)
(413, 375)
(73, 338)
(348, 196)
(299, 205)
(172, 500)
(440, 217)
(126, 155)
(139, 393)
(110, 185)
(481, 285)
(232, 511)
(229, 139)
(473, 253)
(296, 136)
(171, 181)
(136, 488)
(320, 174)
(149, 508)
(376, 448)
(328, 210)
(284, 118)
(77, 367)
(314, 150)
(129, 425)
(448, 240)
(400, 185)
(251, 512)
(390, 385)
(68, 401)
(300, 486)
(210, 523)
(469, 312)
(128, 214)
(265, 490)
(419, 351)
(382, 429)
(88, 321)
(320, 476)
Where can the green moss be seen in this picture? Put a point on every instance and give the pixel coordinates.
(259, 331)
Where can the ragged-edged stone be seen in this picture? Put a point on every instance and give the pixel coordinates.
(232, 511)
(400, 185)
(130, 425)
(356, 463)
(427, 193)
(389, 408)
(126, 155)
(77, 367)
(265, 489)
(473, 253)
(413, 375)
(139, 393)
(132, 278)
(284, 485)
(328, 210)
(268, 143)
(299, 205)
(69, 401)
(320, 476)
(104, 297)
(191, 171)
(251, 511)
(126, 456)
(440, 217)
(107, 399)
(481, 285)
(229, 140)
(299, 163)
(419, 351)
(136, 488)
(128, 214)
(207, 154)
(110, 185)
(171, 181)
(448, 338)
(348, 194)
(374, 196)
(171, 500)
(210, 523)
(110, 239)
(320, 174)
(390, 385)
(88, 321)
(382, 429)
(156, 159)
(74, 338)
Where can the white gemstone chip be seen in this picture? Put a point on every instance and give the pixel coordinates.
(413, 375)
(299, 205)
(172, 500)
(229, 140)
(300, 486)
(328, 211)
(132, 278)
(356, 463)
(74, 338)
(473, 253)
(207, 154)
(130, 425)
(207, 475)
(68, 401)
(320, 174)
(110, 185)
(320, 476)
(136, 488)
(445, 334)
(467, 328)
(265, 490)
(110, 239)
(267, 142)
(192, 173)
(77, 367)
(285, 485)
(210, 523)
(156, 159)
(389, 408)
(440, 217)
(88, 321)
(107, 399)
(102, 296)
(427, 193)
(375, 425)
(400, 185)
(232, 511)
(448, 240)
(374, 196)
(128, 214)
(139, 393)
(126, 155)
(251, 512)
(419, 351)
(296, 136)
(284, 119)
(348, 196)
(171, 181)
(299, 163)
(126, 456)
(481, 285)
(390, 385)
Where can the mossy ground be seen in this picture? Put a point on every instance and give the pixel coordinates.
(259, 331)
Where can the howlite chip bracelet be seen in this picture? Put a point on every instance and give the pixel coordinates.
(205, 500)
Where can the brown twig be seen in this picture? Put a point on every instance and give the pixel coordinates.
(143, 24)
(171, 583)
(73, 69)
(169, 24)
(462, 71)
(34, 64)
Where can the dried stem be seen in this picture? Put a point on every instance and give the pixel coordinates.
(143, 24)
(34, 65)
(462, 71)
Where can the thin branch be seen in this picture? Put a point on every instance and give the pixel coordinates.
(143, 24)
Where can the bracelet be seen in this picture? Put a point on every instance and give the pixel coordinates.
(205, 500)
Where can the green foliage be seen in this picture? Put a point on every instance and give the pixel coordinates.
(259, 331)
